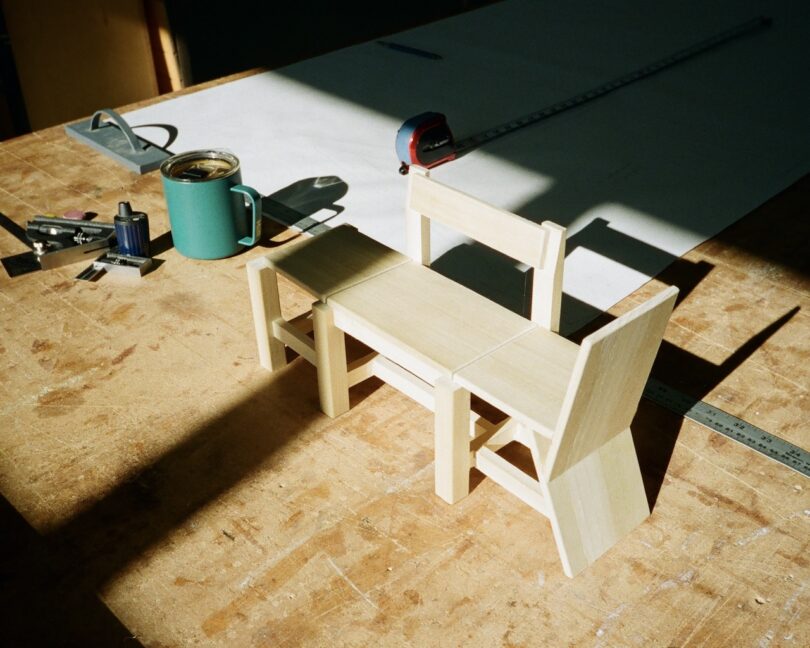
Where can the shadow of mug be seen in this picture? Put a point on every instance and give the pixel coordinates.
(296, 204)
(208, 204)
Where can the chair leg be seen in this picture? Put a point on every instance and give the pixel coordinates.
(330, 351)
(452, 441)
(596, 502)
(264, 301)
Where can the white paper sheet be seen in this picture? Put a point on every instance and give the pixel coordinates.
(660, 166)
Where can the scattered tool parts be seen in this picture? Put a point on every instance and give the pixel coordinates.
(131, 255)
(56, 242)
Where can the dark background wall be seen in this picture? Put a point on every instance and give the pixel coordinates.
(270, 34)
(13, 119)
(67, 58)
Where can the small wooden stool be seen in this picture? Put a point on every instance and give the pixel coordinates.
(321, 265)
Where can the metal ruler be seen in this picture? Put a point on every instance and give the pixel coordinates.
(648, 70)
(715, 419)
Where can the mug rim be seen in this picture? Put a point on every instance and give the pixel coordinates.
(209, 153)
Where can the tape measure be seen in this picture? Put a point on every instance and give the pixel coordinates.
(730, 426)
(426, 139)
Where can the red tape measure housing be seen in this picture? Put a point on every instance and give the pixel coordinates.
(425, 140)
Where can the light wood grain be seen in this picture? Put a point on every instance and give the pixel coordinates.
(333, 260)
(501, 230)
(330, 350)
(417, 225)
(596, 502)
(610, 374)
(423, 321)
(511, 478)
(452, 440)
(542, 247)
(572, 404)
(404, 381)
(292, 336)
(527, 378)
(588, 478)
(266, 307)
(135, 436)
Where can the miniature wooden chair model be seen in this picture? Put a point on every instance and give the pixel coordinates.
(572, 407)
(542, 248)
(402, 313)
(398, 307)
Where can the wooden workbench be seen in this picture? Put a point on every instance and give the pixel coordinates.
(158, 484)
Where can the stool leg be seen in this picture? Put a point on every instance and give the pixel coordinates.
(330, 351)
(452, 441)
(264, 301)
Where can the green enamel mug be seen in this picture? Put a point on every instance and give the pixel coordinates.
(211, 213)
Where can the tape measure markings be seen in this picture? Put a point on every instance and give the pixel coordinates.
(728, 425)
(620, 82)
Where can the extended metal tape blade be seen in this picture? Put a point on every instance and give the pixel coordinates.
(748, 27)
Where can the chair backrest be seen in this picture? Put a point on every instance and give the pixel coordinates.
(540, 246)
(609, 375)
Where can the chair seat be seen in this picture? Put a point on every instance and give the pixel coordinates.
(526, 378)
(424, 321)
(332, 261)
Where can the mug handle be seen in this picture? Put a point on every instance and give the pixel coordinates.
(255, 200)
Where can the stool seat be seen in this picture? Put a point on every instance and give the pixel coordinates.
(332, 260)
(423, 321)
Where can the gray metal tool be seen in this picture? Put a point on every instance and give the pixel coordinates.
(734, 428)
(56, 242)
(116, 263)
(116, 139)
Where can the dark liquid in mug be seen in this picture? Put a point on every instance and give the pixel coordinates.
(200, 166)
(202, 170)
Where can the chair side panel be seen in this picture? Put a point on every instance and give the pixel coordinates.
(596, 502)
(612, 369)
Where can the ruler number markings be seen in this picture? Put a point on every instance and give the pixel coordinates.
(730, 426)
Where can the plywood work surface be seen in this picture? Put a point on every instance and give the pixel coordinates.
(160, 485)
